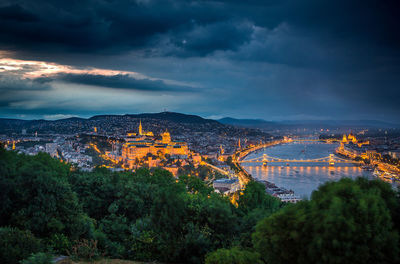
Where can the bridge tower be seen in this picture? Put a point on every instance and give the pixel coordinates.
(265, 160)
(331, 159)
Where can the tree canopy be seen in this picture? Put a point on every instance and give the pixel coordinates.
(46, 206)
(344, 222)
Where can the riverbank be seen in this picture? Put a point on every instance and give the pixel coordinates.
(304, 177)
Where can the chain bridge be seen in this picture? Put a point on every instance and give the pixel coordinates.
(331, 160)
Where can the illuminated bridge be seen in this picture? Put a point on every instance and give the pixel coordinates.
(331, 159)
(313, 141)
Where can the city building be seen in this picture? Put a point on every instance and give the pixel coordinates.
(395, 154)
(289, 198)
(352, 139)
(144, 144)
(51, 148)
(226, 185)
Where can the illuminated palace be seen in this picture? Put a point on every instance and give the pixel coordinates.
(352, 138)
(141, 144)
(354, 148)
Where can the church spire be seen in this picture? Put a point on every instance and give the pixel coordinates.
(140, 127)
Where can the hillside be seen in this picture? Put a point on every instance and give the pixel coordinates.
(202, 135)
(168, 116)
(107, 122)
(309, 124)
(254, 123)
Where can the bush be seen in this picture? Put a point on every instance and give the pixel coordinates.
(16, 245)
(59, 243)
(38, 258)
(233, 256)
(84, 249)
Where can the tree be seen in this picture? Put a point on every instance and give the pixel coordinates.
(39, 258)
(281, 237)
(254, 196)
(344, 222)
(39, 196)
(16, 244)
(233, 256)
(195, 185)
(254, 204)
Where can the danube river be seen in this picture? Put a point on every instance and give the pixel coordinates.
(302, 178)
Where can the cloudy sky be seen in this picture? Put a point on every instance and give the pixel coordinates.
(272, 59)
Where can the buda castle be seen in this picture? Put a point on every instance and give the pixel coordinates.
(139, 145)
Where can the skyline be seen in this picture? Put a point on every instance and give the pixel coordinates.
(271, 60)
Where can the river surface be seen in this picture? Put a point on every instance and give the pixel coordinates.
(302, 178)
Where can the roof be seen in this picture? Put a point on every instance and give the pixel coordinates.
(226, 180)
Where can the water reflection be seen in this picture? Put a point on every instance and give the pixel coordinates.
(302, 178)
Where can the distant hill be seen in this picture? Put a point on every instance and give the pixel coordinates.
(287, 124)
(252, 123)
(192, 129)
(108, 122)
(163, 120)
(169, 116)
(341, 123)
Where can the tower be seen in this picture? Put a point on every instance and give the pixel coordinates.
(140, 128)
(331, 160)
(166, 137)
(240, 147)
(265, 160)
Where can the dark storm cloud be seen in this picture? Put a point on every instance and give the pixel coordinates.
(116, 26)
(14, 89)
(309, 56)
(119, 81)
(93, 26)
(16, 13)
(13, 84)
(200, 40)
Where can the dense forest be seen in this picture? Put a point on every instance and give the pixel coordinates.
(49, 208)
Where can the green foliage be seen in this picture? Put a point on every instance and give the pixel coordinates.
(117, 234)
(281, 238)
(16, 245)
(350, 217)
(254, 196)
(59, 243)
(151, 216)
(216, 214)
(84, 249)
(143, 240)
(195, 185)
(233, 256)
(39, 197)
(254, 204)
(38, 258)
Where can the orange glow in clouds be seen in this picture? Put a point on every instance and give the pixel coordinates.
(35, 69)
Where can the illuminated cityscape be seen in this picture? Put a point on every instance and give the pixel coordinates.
(132, 149)
(200, 132)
